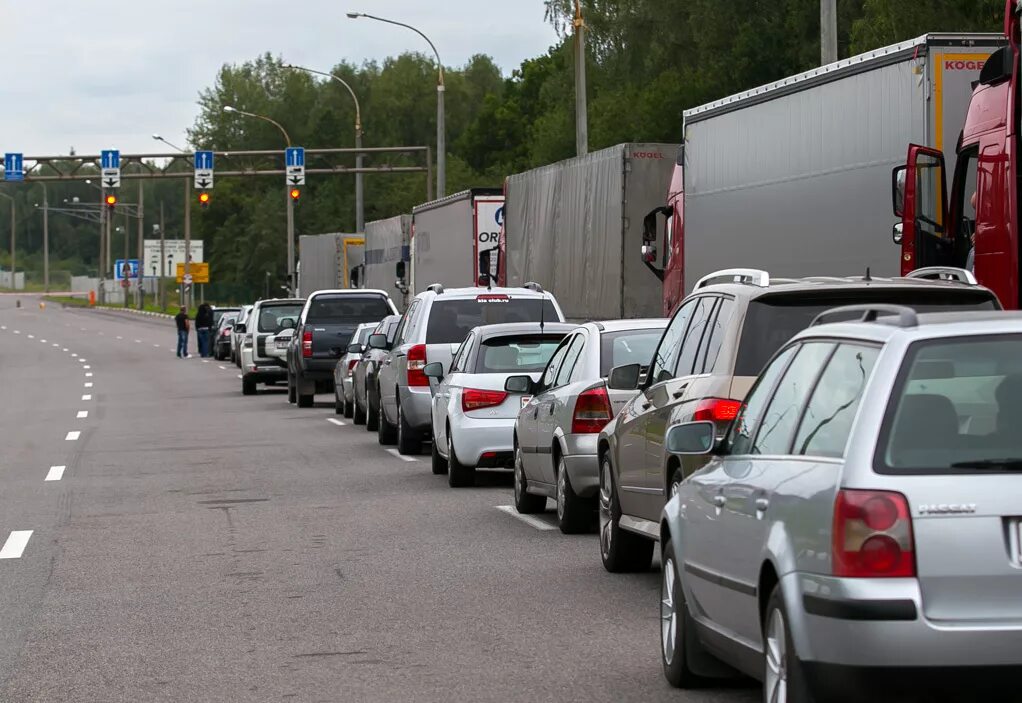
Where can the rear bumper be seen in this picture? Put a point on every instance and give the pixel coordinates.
(864, 623)
(581, 463)
(318, 369)
(347, 389)
(474, 437)
(893, 684)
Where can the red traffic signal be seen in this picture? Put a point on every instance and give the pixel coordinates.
(204, 199)
(111, 201)
(295, 194)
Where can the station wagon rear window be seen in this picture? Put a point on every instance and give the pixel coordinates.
(347, 309)
(451, 320)
(516, 354)
(955, 408)
(271, 315)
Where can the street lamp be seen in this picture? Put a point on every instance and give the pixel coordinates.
(158, 138)
(287, 196)
(359, 192)
(441, 140)
(14, 282)
(188, 223)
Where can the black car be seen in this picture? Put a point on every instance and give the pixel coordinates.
(363, 377)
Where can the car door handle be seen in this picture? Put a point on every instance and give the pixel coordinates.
(720, 501)
(551, 408)
(645, 406)
(762, 504)
(678, 394)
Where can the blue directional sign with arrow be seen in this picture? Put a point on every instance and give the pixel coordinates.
(14, 167)
(294, 160)
(203, 170)
(110, 162)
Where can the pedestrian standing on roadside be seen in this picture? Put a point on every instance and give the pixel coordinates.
(203, 328)
(182, 333)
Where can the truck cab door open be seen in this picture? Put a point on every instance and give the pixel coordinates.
(920, 199)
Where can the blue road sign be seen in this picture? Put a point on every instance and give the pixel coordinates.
(204, 161)
(125, 269)
(14, 167)
(110, 158)
(295, 157)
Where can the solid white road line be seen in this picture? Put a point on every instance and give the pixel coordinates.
(15, 544)
(56, 473)
(527, 519)
(82, 414)
(86, 397)
(334, 420)
(72, 436)
(401, 456)
(89, 384)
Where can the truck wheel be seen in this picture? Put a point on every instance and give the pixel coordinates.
(387, 432)
(248, 385)
(620, 550)
(525, 503)
(458, 475)
(408, 441)
(370, 417)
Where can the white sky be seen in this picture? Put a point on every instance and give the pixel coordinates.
(107, 74)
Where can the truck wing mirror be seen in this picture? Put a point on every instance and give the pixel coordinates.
(399, 270)
(898, 190)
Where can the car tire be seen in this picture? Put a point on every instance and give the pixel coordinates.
(574, 513)
(248, 385)
(408, 441)
(439, 464)
(781, 665)
(372, 420)
(349, 408)
(358, 415)
(338, 406)
(386, 432)
(525, 503)
(458, 475)
(304, 400)
(620, 550)
(291, 395)
(679, 642)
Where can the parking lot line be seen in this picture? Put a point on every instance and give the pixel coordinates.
(527, 519)
(56, 473)
(15, 544)
(400, 456)
(337, 422)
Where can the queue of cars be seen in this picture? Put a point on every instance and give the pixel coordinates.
(826, 465)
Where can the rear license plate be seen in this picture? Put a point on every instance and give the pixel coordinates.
(525, 400)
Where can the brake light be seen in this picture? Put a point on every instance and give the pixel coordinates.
(475, 399)
(351, 365)
(872, 535)
(416, 363)
(717, 409)
(592, 411)
(307, 345)
(226, 332)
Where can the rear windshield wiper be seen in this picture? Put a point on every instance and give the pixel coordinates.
(1008, 464)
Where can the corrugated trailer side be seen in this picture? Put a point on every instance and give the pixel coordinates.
(386, 244)
(443, 241)
(795, 177)
(320, 263)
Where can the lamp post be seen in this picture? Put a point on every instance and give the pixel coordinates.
(14, 282)
(187, 226)
(441, 140)
(287, 197)
(359, 192)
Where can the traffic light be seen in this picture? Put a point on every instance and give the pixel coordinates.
(111, 201)
(204, 199)
(295, 194)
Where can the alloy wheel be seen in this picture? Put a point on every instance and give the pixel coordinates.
(668, 613)
(518, 475)
(775, 687)
(561, 480)
(606, 518)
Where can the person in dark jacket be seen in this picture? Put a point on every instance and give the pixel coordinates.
(203, 328)
(182, 333)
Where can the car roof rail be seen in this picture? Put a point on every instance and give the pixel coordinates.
(825, 279)
(906, 317)
(532, 285)
(945, 273)
(437, 288)
(751, 277)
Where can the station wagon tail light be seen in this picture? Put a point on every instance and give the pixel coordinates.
(307, 345)
(717, 409)
(872, 535)
(475, 399)
(416, 363)
(351, 366)
(592, 411)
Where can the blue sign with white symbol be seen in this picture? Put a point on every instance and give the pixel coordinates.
(295, 157)
(14, 167)
(203, 170)
(110, 159)
(125, 269)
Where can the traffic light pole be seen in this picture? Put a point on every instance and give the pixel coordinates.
(291, 282)
(186, 289)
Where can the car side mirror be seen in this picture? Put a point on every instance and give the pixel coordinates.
(240, 329)
(624, 378)
(692, 438)
(519, 384)
(434, 370)
(355, 348)
(377, 341)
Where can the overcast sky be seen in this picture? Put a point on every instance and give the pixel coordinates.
(95, 75)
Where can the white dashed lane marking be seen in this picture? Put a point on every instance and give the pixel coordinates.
(82, 414)
(89, 384)
(72, 436)
(86, 367)
(401, 456)
(55, 473)
(337, 422)
(15, 544)
(86, 397)
(527, 519)
(88, 375)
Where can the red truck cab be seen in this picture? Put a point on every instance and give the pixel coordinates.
(976, 224)
(671, 267)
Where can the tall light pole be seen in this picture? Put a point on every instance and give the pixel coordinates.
(359, 192)
(581, 110)
(828, 31)
(187, 225)
(441, 139)
(287, 198)
(14, 269)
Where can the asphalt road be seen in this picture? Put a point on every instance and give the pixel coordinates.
(203, 546)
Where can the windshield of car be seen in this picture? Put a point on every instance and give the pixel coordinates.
(450, 321)
(956, 407)
(773, 320)
(221, 313)
(516, 354)
(228, 320)
(271, 315)
(628, 347)
(362, 336)
(347, 309)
